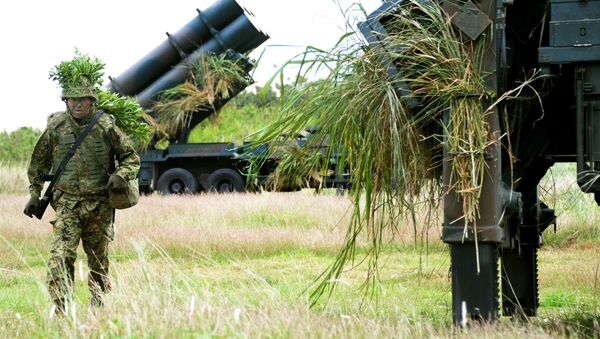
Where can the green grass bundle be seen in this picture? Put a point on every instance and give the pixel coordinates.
(81, 69)
(445, 75)
(213, 78)
(129, 116)
(298, 167)
(394, 154)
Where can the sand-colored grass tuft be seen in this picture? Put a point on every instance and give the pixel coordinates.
(237, 223)
(13, 178)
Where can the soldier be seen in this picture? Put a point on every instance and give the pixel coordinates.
(104, 162)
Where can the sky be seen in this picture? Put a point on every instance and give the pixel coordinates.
(39, 34)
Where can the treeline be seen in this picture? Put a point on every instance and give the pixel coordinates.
(234, 124)
(260, 97)
(248, 112)
(245, 114)
(17, 145)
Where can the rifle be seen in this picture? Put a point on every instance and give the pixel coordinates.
(47, 197)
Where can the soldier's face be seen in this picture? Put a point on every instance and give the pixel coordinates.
(79, 107)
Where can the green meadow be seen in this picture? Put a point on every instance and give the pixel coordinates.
(243, 265)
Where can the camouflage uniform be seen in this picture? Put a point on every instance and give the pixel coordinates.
(80, 199)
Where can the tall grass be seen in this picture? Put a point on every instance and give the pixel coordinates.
(233, 124)
(394, 152)
(13, 177)
(237, 265)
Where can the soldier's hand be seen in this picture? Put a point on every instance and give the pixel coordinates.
(31, 207)
(116, 183)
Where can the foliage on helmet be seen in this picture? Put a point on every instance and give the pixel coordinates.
(79, 77)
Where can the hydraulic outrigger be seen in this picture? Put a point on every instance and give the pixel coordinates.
(557, 120)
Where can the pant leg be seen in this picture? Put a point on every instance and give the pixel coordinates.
(63, 252)
(96, 235)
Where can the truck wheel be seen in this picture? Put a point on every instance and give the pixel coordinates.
(225, 180)
(177, 181)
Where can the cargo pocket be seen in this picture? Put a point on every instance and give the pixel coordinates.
(58, 207)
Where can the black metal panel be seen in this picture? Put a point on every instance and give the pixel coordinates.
(202, 150)
(566, 55)
(152, 155)
(455, 233)
(519, 282)
(146, 174)
(564, 10)
(474, 293)
(575, 33)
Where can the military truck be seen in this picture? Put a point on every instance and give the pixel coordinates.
(558, 122)
(223, 28)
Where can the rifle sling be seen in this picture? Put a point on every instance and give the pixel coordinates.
(70, 153)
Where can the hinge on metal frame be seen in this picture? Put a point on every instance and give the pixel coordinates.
(216, 33)
(176, 46)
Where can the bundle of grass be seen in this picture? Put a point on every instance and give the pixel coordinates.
(394, 154)
(213, 79)
(299, 167)
(129, 116)
(81, 70)
(84, 73)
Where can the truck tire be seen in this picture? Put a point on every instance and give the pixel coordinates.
(225, 180)
(177, 181)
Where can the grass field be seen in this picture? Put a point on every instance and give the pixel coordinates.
(237, 265)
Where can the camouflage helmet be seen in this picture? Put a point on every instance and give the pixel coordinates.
(82, 90)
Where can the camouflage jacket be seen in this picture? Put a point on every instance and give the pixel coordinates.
(105, 151)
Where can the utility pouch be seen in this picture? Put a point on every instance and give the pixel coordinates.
(125, 198)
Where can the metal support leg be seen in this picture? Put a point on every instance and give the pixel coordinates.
(474, 294)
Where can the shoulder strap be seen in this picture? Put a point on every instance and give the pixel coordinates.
(45, 201)
(71, 152)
